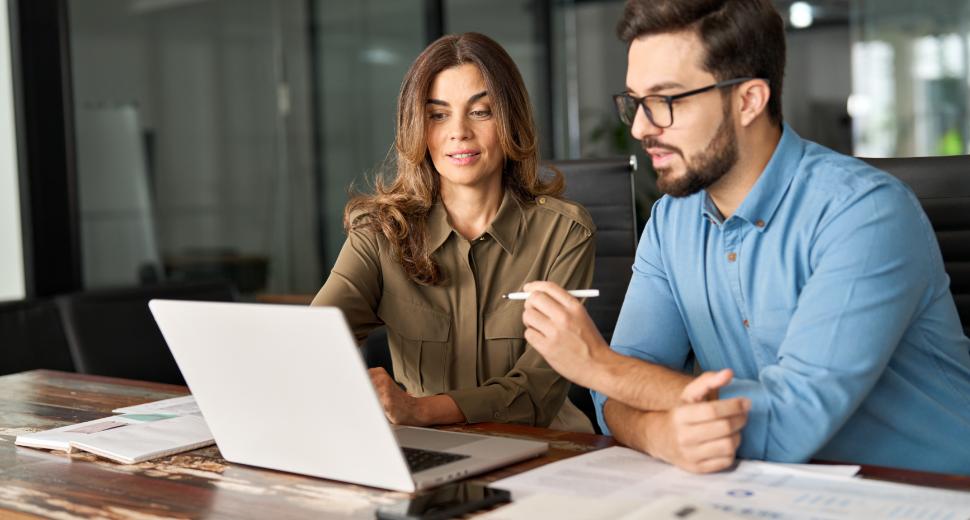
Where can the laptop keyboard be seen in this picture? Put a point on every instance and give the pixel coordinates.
(420, 460)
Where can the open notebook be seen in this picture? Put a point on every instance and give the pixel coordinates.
(143, 432)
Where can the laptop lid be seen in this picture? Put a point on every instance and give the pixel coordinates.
(284, 387)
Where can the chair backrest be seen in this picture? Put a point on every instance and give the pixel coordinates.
(942, 185)
(605, 188)
(31, 337)
(376, 352)
(112, 332)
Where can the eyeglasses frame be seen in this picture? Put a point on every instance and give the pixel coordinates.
(669, 100)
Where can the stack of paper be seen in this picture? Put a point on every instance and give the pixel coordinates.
(146, 432)
(752, 489)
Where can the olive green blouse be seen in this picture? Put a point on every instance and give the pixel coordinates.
(461, 338)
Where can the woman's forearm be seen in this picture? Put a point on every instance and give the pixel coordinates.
(438, 409)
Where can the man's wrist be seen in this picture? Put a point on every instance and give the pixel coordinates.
(601, 370)
(647, 423)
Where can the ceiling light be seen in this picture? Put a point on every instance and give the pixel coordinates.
(800, 15)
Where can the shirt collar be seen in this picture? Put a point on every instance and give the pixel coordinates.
(762, 201)
(507, 222)
(438, 227)
(504, 227)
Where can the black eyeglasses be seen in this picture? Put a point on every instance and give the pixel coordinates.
(660, 109)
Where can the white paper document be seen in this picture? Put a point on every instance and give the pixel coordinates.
(584, 508)
(754, 490)
(60, 438)
(128, 439)
(143, 432)
(149, 440)
(176, 406)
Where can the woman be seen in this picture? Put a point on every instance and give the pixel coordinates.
(465, 220)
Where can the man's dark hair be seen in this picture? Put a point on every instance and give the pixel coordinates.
(743, 38)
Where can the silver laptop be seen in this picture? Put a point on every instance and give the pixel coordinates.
(285, 387)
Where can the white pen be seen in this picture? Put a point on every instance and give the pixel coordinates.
(581, 293)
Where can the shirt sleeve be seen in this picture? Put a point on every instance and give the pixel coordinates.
(870, 271)
(532, 392)
(650, 326)
(354, 284)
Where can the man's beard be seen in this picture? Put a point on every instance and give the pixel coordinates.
(704, 168)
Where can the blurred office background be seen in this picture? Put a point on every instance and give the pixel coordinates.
(180, 140)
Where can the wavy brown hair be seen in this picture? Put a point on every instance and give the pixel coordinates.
(399, 208)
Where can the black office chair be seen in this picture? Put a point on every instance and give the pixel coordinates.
(111, 332)
(31, 337)
(605, 188)
(376, 352)
(942, 185)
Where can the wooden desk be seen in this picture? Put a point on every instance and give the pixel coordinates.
(201, 483)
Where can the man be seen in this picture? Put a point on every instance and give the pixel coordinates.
(808, 284)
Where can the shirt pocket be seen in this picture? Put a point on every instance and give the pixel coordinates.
(504, 339)
(418, 340)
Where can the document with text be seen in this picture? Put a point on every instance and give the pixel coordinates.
(752, 489)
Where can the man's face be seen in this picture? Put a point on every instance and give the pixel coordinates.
(700, 146)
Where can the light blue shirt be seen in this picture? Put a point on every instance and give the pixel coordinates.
(825, 293)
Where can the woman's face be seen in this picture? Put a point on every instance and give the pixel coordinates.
(462, 131)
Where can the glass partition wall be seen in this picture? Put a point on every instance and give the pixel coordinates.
(194, 142)
(221, 138)
(910, 77)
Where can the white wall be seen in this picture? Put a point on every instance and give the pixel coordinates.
(11, 239)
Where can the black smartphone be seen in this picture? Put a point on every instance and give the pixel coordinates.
(447, 501)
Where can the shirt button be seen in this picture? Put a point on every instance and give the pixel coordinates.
(542, 200)
(745, 323)
(497, 415)
(759, 223)
(732, 257)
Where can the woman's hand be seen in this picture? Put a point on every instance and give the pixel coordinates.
(404, 409)
(399, 406)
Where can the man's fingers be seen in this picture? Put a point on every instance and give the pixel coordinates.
(552, 289)
(534, 319)
(698, 389)
(547, 305)
(536, 339)
(712, 465)
(721, 447)
(713, 410)
(706, 432)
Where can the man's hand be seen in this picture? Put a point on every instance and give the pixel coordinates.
(699, 436)
(705, 386)
(399, 406)
(559, 328)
